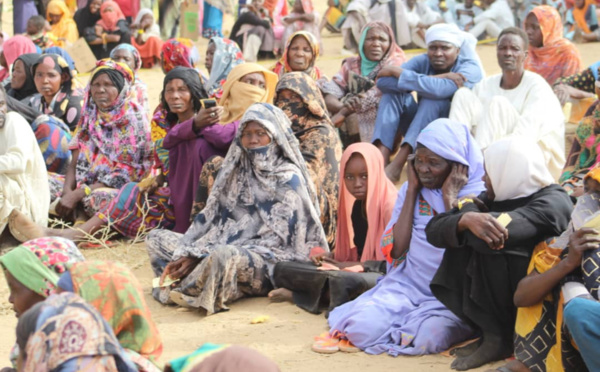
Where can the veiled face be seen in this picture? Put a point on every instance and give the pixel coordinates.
(255, 78)
(254, 136)
(431, 168)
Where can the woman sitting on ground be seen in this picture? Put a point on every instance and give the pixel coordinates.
(111, 30)
(581, 22)
(367, 198)
(300, 54)
(300, 98)
(127, 54)
(12, 49)
(115, 292)
(264, 186)
(400, 315)
(87, 16)
(550, 54)
(32, 271)
(64, 333)
(543, 340)
(193, 137)
(246, 84)
(487, 243)
(61, 103)
(303, 17)
(111, 147)
(352, 95)
(221, 56)
(578, 86)
(253, 32)
(147, 38)
(22, 86)
(63, 27)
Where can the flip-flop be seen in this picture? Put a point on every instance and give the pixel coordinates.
(347, 347)
(325, 344)
(91, 245)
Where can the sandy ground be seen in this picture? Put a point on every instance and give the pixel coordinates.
(287, 335)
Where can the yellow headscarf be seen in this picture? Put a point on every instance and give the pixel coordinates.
(238, 96)
(66, 28)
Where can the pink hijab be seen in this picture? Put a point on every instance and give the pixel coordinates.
(13, 48)
(381, 197)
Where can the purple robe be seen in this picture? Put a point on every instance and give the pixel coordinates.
(188, 151)
(400, 315)
(22, 11)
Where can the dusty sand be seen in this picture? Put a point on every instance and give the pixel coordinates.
(287, 336)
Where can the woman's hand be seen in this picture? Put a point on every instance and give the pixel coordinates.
(582, 240)
(456, 180)
(390, 71)
(413, 179)
(353, 104)
(207, 117)
(156, 183)
(485, 227)
(68, 202)
(319, 258)
(179, 269)
(562, 93)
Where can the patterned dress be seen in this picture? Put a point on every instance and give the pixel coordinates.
(262, 210)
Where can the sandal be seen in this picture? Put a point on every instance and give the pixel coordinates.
(92, 245)
(325, 344)
(347, 347)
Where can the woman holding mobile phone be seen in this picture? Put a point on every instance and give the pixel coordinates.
(165, 200)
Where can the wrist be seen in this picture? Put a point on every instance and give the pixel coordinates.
(463, 222)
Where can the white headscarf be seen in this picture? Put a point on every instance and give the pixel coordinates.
(516, 167)
(450, 33)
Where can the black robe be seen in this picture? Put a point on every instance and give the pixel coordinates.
(477, 283)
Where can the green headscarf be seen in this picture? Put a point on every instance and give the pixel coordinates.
(366, 65)
(39, 263)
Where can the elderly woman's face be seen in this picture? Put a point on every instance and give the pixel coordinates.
(179, 97)
(21, 297)
(256, 78)
(124, 56)
(534, 31)
(254, 135)
(104, 92)
(300, 54)
(377, 43)
(431, 168)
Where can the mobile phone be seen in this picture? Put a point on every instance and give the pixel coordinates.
(208, 103)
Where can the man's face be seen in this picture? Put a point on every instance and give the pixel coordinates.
(442, 55)
(511, 52)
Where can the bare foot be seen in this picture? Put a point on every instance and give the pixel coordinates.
(393, 172)
(492, 348)
(467, 349)
(281, 295)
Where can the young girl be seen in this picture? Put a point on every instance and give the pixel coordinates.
(366, 201)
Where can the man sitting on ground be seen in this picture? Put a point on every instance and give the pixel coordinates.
(450, 63)
(515, 102)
